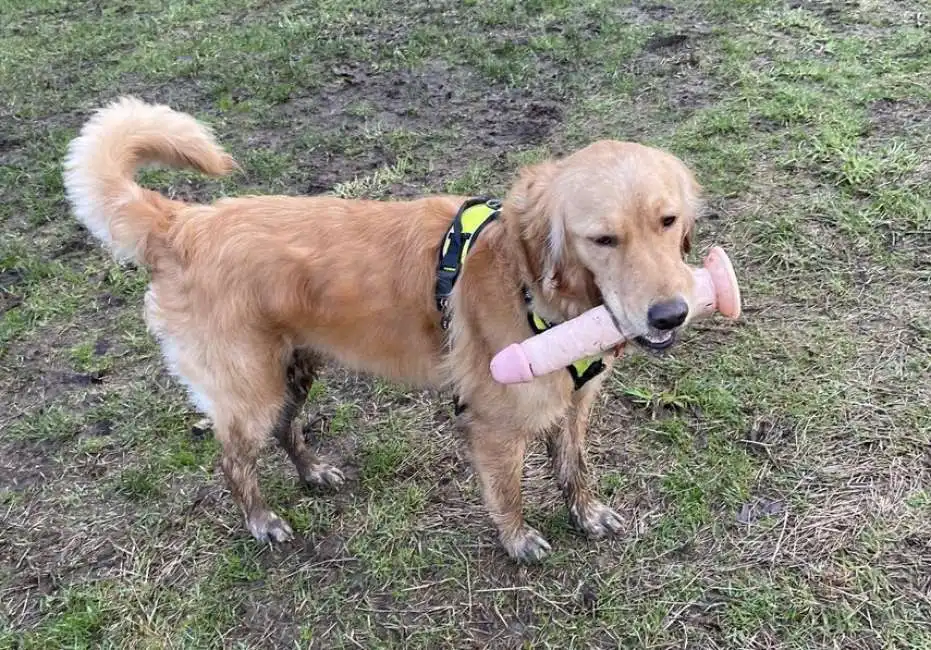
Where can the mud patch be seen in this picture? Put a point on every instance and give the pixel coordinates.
(10, 297)
(892, 117)
(666, 42)
(26, 465)
(453, 115)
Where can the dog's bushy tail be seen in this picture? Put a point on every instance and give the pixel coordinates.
(102, 160)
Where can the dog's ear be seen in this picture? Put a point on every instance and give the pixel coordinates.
(694, 205)
(530, 200)
(687, 238)
(541, 217)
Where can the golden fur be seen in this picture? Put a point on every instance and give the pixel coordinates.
(249, 294)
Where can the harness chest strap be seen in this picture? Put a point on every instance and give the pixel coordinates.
(468, 223)
(583, 370)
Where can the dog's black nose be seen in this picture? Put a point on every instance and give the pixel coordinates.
(668, 314)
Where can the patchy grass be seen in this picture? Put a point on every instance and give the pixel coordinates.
(774, 473)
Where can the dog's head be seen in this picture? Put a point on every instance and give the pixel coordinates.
(611, 224)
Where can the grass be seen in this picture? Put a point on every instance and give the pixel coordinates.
(773, 473)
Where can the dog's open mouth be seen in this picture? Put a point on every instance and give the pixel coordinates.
(657, 339)
(654, 340)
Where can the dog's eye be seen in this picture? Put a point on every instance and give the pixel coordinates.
(668, 221)
(605, 240)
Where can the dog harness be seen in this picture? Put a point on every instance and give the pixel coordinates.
(583, 370)
(468, 223)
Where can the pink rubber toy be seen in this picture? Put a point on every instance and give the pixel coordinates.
(594, 332)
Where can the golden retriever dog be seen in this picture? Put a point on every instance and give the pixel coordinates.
(248, 296)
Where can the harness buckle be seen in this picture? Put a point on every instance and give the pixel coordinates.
(441, 304)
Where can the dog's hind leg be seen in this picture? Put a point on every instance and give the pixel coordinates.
(289, 431)
(242, 438)
(244, 386)
(566, 448)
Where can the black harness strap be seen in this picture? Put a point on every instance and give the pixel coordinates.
(454, 248)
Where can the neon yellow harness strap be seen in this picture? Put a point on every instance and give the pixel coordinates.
(583, 370)
(471, 219)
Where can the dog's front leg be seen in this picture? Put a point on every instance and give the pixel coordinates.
(567, 450)
(498, 458)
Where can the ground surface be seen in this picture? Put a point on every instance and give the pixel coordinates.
(775, 474)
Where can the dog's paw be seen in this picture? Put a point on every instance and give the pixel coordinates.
(596, 519)
(325, 476)
(526, 545)
(267, 527)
